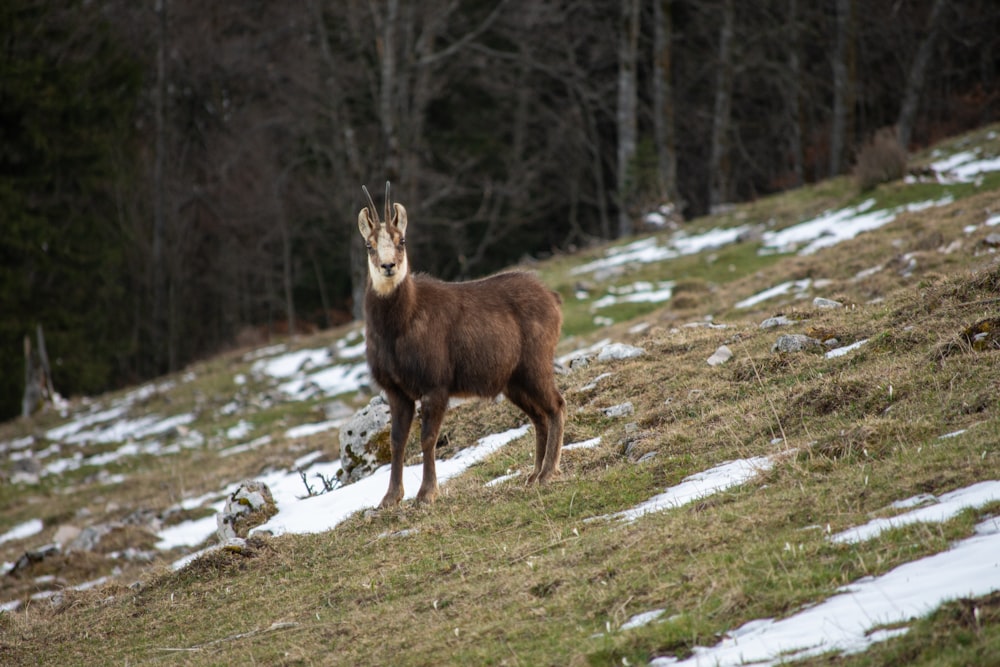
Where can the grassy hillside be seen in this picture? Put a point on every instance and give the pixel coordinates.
(502, 574)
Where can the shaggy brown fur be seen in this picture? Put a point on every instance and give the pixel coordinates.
(428, 340)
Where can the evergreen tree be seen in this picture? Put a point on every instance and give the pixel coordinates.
(66, 100)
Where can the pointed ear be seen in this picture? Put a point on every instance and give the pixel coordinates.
(365, 225)
(399, 218)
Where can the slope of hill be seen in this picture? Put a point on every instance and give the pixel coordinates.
(762, 506)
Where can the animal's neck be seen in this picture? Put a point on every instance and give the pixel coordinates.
(391, 309)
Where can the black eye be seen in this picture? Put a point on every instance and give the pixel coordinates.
(402, 242)
(368, 246)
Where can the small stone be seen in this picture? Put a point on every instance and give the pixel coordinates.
(777, 321)
(236, 545)
(250, 505)
(32, 557)
(620, 410)
(992, 240)
(66, 534)
(720, 356)
(820, 302)
(794, 343)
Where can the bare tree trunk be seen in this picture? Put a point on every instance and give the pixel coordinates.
(628, 44)
(32, 390)
(842, 95)
(718, 167)
(38, 387)
(794, 95)
(287, 277)
(49, 390)
(158, 275)
(918, 70)
(387, 103)
(663, 102)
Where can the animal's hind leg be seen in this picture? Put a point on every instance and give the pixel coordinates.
(432, 409)
(556, 417)
(523, 400)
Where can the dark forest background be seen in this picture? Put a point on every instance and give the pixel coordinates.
(178, 177)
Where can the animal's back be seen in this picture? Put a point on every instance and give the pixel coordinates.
(471, 336)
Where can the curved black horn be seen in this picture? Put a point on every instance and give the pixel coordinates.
(388, 206)
(371, 204)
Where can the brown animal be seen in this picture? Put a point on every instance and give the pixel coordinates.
(428, 340)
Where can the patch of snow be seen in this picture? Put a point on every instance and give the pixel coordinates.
(305, 430)
(843, 623)
(648, 250)
(952, 161)
(914, 501)
(965, 167)
(619, 351)
(714, 238)
(593, 383)
(841, 351)
(331, 381)
(645, 618)
(993, 220)
(127, 429)
(585, 444)
(241, 430)
(17, 443)
(81, 422)
(288, 365)
(641, 292)
(643, 251)
(800, 286)
(833, 227)
(697, 486)
(946, 507)
(23, 530)
(496, 481)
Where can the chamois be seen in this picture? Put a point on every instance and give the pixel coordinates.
(428, 340)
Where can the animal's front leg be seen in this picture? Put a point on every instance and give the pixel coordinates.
(401, 409)
(432, 409)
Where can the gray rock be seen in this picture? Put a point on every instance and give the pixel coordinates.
(820, 302)
(720, 356)
(364, 441)
(620, 410)
(992, 240)
(795, 343)
(90, 537)
(66, 534)
(31, 557)
(250, 505)
(777, 321)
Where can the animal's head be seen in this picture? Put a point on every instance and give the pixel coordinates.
(385, 243)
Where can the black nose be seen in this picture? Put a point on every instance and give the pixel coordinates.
(388, 267)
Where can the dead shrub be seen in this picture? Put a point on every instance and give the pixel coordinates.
(882, 159)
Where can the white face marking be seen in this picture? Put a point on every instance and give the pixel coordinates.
(386, 279)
